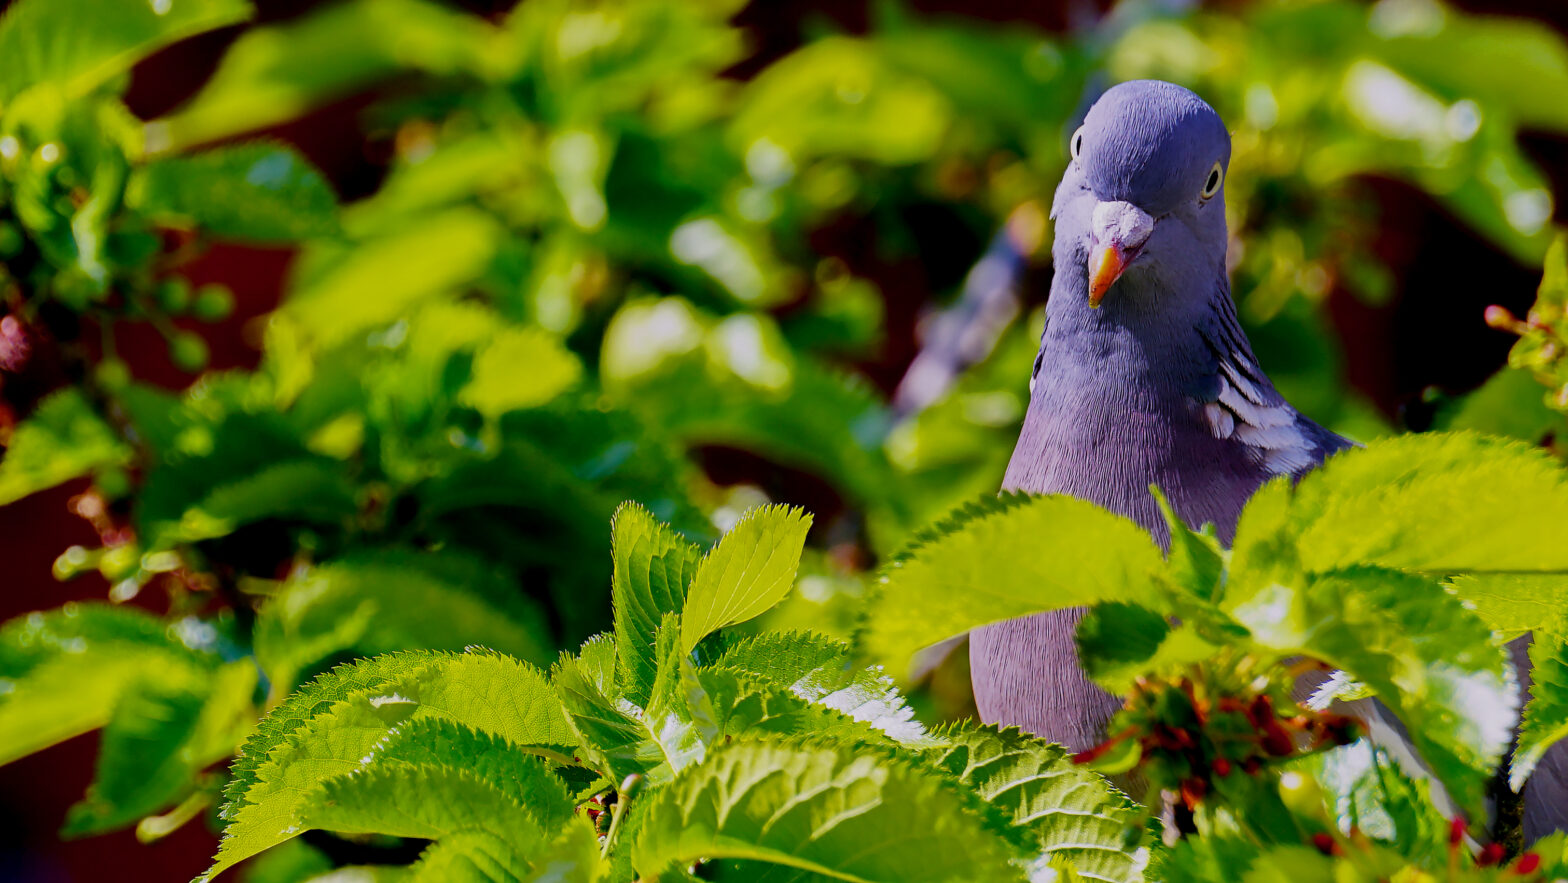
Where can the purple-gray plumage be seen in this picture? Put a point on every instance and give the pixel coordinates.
(1144, 377)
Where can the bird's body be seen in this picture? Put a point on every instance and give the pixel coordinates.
(1145, 378)
(1157, 385)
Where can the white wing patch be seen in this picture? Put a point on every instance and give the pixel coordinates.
(1262, 421)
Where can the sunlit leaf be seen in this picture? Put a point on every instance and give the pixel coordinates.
(78, 45)
(64, 439)
(751, 569)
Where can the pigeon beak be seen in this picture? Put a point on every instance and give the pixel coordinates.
(1119, 231)
(1106, 268)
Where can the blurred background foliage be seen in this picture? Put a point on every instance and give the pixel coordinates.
(343, 327)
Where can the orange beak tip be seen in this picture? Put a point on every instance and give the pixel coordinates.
(1106, 269)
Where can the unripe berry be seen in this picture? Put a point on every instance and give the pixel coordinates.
(174, 294)
(188, 351)
(214, 303)
(112, 374)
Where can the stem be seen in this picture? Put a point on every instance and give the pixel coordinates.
(154, 828)
(623, 798)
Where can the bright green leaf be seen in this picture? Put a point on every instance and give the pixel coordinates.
(653, 564)
(64, 439)
(275, 73)
(783, 810)
(1546, 714)
(78, 45)
(168, 725)
(996, 560)
(1076, 814)
(751, 569)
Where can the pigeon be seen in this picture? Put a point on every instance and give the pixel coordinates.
(1144, 377)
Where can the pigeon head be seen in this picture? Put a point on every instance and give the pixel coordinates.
(1143, 198)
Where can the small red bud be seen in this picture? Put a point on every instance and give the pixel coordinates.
(1500, 318)
(1456, 831)
(1527, 864)
(1221, 767)
(1251, 766)
(1491, 854)
(1192, 791)
(1276, 741)
(1325, 844)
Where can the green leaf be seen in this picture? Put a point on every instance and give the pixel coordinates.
(79, 45)
(520, 367)
(492, 693)
(1510, 403)
(333, 741)
(426, 801)
(995, 560)
(1546, 714)
(681, 735)
(168, 725)
(344, 715)
(312, 490)
(296, 712)
(1513, 603)
(1075, 814)
(64, 439)
(376, 602)
(818, 669)
(525, 778)
(65, 671)
(1436, 502)
(1433, 662)
(735, 704)
(259, 192)
(275, 73)
(787, 811)
(1118, 641)
(440, 254)
(1196, 561)
(1362, 789)
(751, 569)
(653, 564)
(608, 734)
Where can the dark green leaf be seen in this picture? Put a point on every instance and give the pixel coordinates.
(259, 192)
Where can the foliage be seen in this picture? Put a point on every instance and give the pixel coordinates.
(749, 765)
(1342, 570)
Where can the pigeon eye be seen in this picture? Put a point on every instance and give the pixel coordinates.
(1077, 142)
(1212, 186)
